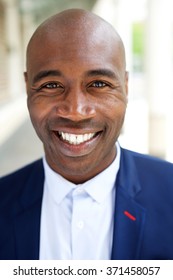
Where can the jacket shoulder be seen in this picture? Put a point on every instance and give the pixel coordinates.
(23, 171)
(148, 168)
(14, 181)
(145, 158)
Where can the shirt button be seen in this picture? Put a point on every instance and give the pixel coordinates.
(80, 224)
(79, 190)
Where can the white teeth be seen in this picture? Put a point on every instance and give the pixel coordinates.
(76, 139)
(67, 136)
(85, 137)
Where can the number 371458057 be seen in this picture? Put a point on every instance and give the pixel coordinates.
(133, 270)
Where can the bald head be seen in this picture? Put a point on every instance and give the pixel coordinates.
(76, 25)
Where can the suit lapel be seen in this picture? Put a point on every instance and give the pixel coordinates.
(129, 215)
(27, 222)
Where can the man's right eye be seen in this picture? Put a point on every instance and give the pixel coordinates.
(51, 85)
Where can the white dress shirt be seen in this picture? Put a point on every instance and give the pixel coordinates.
(77, 220)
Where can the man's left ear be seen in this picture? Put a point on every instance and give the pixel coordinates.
(127, 82)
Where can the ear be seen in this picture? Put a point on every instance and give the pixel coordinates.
(127, 82)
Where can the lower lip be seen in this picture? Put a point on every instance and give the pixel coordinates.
(80, 149)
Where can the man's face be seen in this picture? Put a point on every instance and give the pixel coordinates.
(77, 96)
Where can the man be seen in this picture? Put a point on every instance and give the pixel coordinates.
(88, 198)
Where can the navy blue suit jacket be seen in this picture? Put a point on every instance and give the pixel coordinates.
(143, 218)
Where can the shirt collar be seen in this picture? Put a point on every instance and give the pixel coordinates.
(98, 187)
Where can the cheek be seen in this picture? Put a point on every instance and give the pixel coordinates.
(38, 116)
(115, 119)
(115, 110)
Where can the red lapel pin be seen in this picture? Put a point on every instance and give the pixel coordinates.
(130, 216)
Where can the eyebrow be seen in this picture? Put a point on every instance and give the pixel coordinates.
(102, 72)
(90, 73)
(46, 73)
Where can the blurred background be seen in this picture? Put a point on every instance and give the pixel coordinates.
(146, 27)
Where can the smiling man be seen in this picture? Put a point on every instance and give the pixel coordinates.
(87, 198)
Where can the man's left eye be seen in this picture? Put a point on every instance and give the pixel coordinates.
(98, 84)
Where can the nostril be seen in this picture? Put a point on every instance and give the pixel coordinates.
(62, 109)
(90, 111)
(75, 112)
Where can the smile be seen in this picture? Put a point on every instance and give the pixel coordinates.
(76, 139)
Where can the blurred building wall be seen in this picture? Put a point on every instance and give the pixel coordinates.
(3, 54)
(158, 76)
(12, 111)
(10, 50)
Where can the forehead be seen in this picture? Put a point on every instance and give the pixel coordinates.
(74, 48)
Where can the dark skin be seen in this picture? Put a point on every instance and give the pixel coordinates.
(77, 85)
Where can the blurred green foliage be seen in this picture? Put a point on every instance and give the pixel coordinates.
(138, 46)
(138, 38)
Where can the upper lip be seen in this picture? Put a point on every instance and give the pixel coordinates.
(76, 131)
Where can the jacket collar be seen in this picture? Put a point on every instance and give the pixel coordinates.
(129, 214)
(27, 235)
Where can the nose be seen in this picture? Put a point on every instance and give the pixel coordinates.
(76, 106)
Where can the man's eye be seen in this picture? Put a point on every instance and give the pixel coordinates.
(98, 84)
(51, 86)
